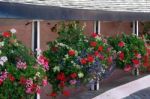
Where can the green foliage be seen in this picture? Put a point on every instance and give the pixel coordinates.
(71, 34)
(72, 53)
(14, 51)
(133, 45)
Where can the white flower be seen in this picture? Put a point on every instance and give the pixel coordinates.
(76, 53)
(4, 58)
(66, 56)
(1, 44)
(86, 40)
(38, 74)
(72, 62)
(56, 68)
(1, 62)
(13, 31)
(77, 66)
(80, 75)
(98, 38)
(0, 52)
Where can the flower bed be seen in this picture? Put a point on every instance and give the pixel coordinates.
(20, 75)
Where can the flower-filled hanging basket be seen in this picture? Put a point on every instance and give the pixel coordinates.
(130, 51)
(20, 75)
(75, 59)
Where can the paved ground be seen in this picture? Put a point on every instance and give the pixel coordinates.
(118, 78)
(142, 94)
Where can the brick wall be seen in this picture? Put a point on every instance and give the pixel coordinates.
(24, 29)
(24, 32)
(114, 28)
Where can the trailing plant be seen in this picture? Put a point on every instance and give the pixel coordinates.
(20, 75)
(130, 51)
(75, 59)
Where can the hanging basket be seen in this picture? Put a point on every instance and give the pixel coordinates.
(100, 75)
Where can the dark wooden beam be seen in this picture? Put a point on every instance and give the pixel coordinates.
(28, 11)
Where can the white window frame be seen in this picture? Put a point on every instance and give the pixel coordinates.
(97, 27)
(38, 36)
(135, 28)
(36, 42)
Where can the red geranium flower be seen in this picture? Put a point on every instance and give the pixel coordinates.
(34, 87)
(6, 34)
(83, 61)
(54, 49)
(121, 44)
(1, 81)
(121, 56)
(100, 48)
(11, 77)
(109, 60)
(138, 55)
(73, 75)
(127, 68)
(90, 59)
(61, 76)
(66, 93)
(22, 80)
(62, 84)
(135, 61)
(71, 52)
(94, 35)
(93, 44)
(101, 56)
(96, 53)
(53, 94)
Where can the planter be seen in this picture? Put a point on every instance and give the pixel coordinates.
(135, 72)
(94, 85)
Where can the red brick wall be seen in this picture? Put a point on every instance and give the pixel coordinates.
(46, 33)
(114, 28)
(89, 27)
(24, 32)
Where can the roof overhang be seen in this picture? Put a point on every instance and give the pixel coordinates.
(29, 11)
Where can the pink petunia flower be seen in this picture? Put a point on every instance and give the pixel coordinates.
(127, 68)
(109, 60)
(101, 57)
(72, 82)
(109, 49)
(4, 75)
(29, 83)
(44, 82)
(21, 65)
(121, 44)
(43, 61)
(29, 90)
(138, 56)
